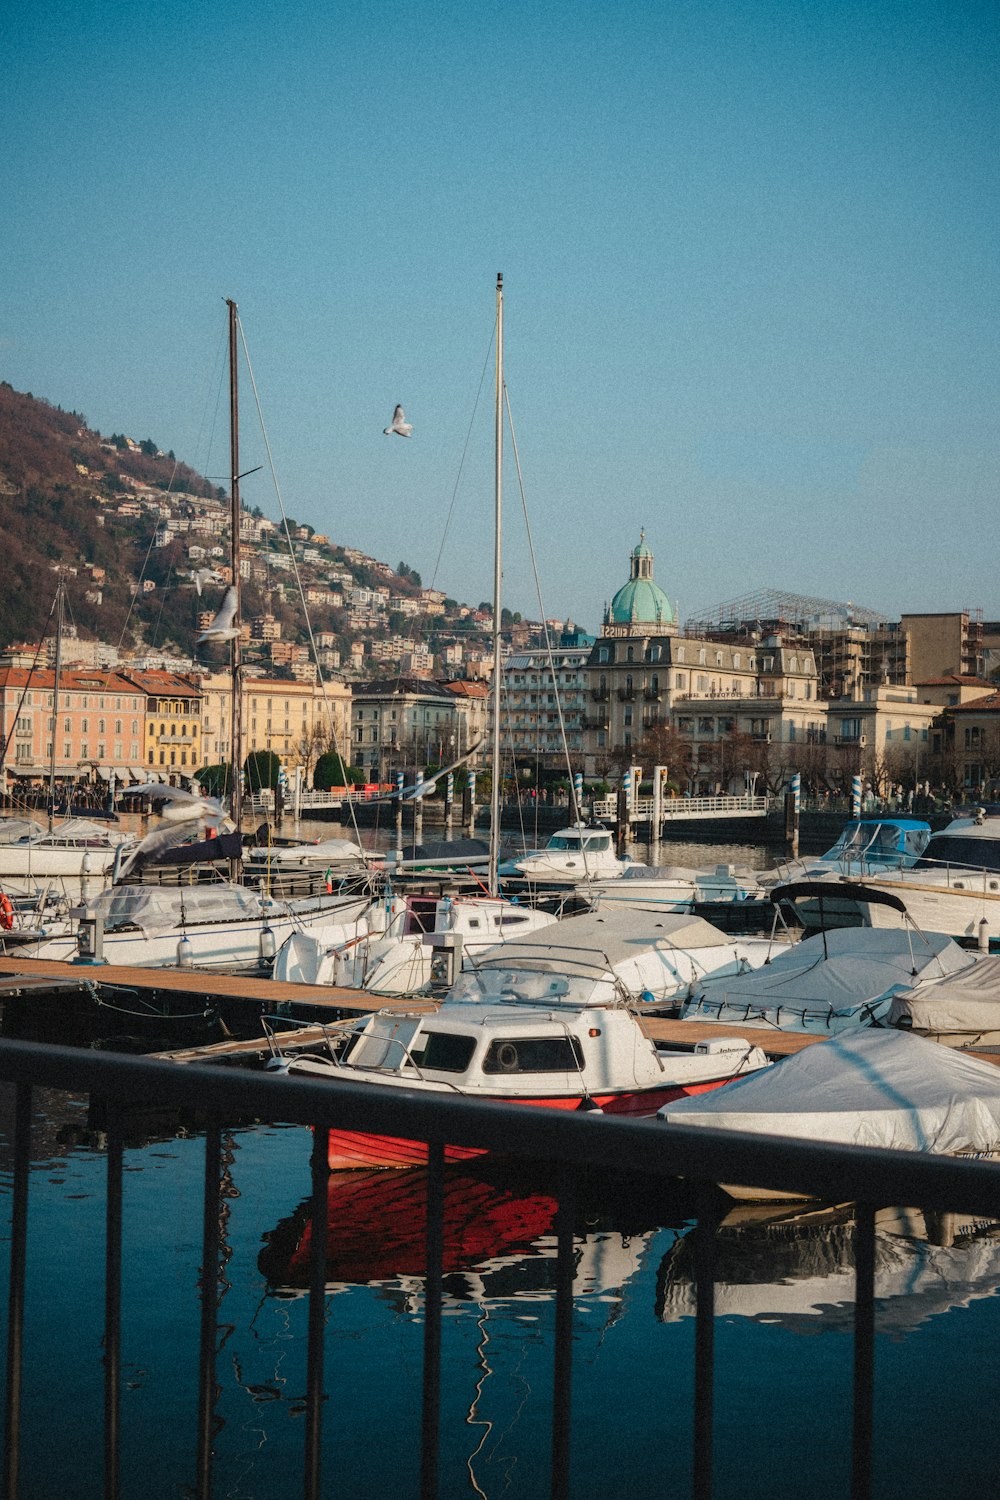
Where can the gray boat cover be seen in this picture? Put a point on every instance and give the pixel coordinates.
(967, 1001)
(832, 981)
(868, 1088)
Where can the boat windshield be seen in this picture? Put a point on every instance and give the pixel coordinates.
(879, 843)
(594, 843)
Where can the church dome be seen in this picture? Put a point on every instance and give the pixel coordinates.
(641, 601)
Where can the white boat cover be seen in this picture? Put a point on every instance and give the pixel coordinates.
(966, 1001)
(17, 830)
(324, 852)
(869, 1088)
(607, 938)
(157, 909)
(843, 978)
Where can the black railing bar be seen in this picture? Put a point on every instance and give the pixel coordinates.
(320, 1166)
(707, 1217)
(562, 1374)
(18, 1263)
(864, 1352)
(832, 1172)
(209, 1307)
(113, 1304)
(430, 1438)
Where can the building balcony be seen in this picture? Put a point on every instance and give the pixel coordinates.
(598, 723)
(600, 695)
(626, 695)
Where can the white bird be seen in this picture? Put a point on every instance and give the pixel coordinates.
(177, 805)
(399, 425)
(222, 627)
(202, 576)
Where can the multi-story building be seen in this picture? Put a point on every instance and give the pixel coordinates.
(96, 727)
(402, 724)
(173, 722)
(295, 720)
(946, 643)
(643, 678)
(544, 698)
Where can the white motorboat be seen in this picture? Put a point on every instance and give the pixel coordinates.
(394, 954)
(573, 856)
(74, 858)
(953, 887)
(831, 982)
(869, 1088)
(865, 845)
(553, 1051)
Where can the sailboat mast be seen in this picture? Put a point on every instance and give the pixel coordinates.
(55, 701)
(236, 719)
(497, 581)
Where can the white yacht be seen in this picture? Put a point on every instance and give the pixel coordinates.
(573, 856)
(953, 887)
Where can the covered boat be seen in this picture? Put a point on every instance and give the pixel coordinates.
(869, 1088)
(961, 1010)
(831, 982)
(216, 926)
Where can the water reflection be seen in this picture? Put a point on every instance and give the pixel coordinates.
(795, 1268)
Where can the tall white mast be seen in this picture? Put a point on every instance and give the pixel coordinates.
(236, 718)
(497, 580)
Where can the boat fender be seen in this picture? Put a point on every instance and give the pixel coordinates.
(6, 912)
(589, 1106)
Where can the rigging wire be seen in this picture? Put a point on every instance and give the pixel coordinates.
(574, 802)
(327, 705)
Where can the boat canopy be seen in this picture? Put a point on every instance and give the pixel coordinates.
(880, 841)
(872, 1088)
(603, 940)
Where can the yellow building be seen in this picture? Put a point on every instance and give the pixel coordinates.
(172, 743)
(295, 720)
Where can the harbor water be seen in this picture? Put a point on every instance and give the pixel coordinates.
(783, 1338)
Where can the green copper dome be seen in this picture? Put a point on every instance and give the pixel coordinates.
(641, 601)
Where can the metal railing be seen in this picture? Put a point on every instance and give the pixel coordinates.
(569, 1144)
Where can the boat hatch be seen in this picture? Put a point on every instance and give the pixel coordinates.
(530, 1054)
(385, 1042)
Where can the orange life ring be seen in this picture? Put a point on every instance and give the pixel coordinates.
(6, 912)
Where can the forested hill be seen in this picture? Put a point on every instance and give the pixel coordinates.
(58, 479)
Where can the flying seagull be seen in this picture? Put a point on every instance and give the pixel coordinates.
(222, 627)
(399, 425)
(202, 576)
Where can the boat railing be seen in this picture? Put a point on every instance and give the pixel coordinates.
(566, 1147)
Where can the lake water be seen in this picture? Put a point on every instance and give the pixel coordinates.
(783, 1332)
(783, 1344)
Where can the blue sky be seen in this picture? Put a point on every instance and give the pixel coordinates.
(749, 253)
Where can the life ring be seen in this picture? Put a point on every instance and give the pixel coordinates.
(6, 912)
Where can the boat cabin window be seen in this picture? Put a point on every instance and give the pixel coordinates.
(960, 853)
(443, 1051)
(523, 1054)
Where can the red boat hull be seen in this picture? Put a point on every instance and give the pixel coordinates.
(349, 1149)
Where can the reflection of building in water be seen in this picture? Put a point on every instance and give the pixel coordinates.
(796, 1268)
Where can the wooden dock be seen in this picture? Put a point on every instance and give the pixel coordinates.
(305, 1002)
